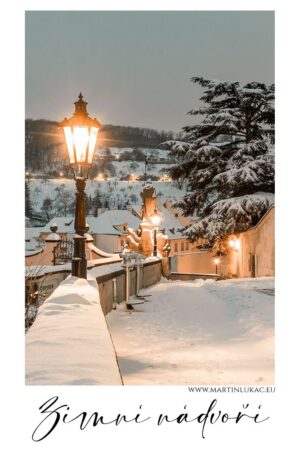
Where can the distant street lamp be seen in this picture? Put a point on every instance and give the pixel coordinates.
(28, 176)
(217, 262)
(155, 219)
(81, 133)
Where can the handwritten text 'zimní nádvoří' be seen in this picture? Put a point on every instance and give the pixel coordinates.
(55, 414)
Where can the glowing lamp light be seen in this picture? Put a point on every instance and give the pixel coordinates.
(217, 261)
(81, 133)
(155, 218)
(234, 243)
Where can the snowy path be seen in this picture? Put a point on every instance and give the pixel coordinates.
(197, 333)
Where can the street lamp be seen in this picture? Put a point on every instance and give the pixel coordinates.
(217, 262)
(28, 176)
(155, 219)
(81, 133)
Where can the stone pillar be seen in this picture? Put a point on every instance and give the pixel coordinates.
(51, 242)
(88, 240)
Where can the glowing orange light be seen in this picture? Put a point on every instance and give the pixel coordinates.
(81, 135)
(155, 218)
(234, 243)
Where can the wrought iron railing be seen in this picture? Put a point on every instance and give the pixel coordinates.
(63, 252)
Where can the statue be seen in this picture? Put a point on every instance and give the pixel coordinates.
(148, 196)
(141, 240)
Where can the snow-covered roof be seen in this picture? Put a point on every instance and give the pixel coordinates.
(107, 223)
(32, 232)
(64, 225)
(169, 222)
(27, 222)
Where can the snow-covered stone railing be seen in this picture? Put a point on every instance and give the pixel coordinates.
(44, 269)
(69, 342)
(111, 280)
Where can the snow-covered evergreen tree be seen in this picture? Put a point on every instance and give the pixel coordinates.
(224, 160)
(28, 204)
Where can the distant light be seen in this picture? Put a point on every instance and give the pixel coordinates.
(234, 243)
(155, 218)
(217, 261)
(165, 178)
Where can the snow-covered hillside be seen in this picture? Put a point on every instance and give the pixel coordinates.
(114, 191)
(40, 190)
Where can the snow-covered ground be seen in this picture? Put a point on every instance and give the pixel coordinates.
(198, 333)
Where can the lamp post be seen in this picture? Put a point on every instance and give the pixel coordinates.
(217, 262)
(155, 219)
(28, 176)
(81, 135)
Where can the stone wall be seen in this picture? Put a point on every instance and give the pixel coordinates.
(112, 284)
(200, 262)
(254, 257)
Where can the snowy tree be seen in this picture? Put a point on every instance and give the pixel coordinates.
(28, 204)
(97, 201)
(47, 206)
(133, 198)
(133, 165)
(64, 201)
(224, 160)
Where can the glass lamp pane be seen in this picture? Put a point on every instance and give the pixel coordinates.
(155, 220)
(92, 143)
(69, 141)
(80, 140)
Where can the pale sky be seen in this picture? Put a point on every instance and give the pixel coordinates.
(134, 68)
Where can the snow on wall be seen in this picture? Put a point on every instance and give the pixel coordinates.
(69, 342)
